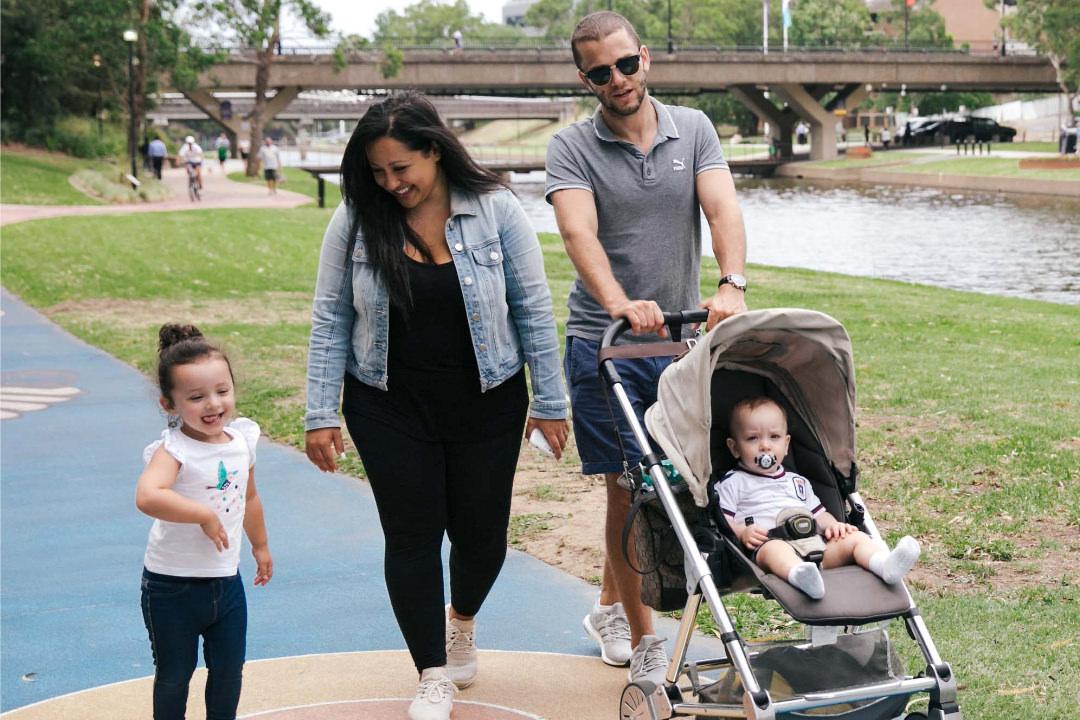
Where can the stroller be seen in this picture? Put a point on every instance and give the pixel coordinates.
(847, 668)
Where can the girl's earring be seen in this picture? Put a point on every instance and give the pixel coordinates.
(173, 421)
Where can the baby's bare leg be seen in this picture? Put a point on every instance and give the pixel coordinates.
(857, 548)
(781, 560)
(777, 557)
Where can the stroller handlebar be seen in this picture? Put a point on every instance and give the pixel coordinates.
(671, 319)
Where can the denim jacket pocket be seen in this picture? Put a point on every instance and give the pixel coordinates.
(488, 253)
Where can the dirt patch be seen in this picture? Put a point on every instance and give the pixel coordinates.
(574, 507)
(273, 308)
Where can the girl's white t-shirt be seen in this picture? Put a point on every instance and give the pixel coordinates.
(215, 475)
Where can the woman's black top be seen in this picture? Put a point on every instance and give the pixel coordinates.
(433, 385)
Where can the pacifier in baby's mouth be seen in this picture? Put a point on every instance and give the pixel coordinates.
(765, 460)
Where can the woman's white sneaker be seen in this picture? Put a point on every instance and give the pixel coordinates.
(461, 659)
(434, 696)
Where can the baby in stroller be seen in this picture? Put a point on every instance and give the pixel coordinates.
(775, 513)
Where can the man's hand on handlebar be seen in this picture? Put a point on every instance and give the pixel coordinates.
(644, 316)
(727, 301)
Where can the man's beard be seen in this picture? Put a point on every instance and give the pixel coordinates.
(639, 97)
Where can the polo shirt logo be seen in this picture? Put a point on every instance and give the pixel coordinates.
(678, 165)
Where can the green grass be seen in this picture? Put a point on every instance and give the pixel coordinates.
(987, 166)
(296, 180)
(967, 404)
(877, 158)
(37, 178)
(1030, 146)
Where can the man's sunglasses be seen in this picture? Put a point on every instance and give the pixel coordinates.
(602, 75)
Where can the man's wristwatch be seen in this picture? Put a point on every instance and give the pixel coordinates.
(735, 280)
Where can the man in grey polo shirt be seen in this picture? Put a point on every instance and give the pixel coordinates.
(628, 186)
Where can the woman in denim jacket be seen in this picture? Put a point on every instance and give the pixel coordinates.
(431, 297)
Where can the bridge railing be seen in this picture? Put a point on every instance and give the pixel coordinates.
(476, 45)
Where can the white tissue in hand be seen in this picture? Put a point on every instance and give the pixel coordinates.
(538, 441)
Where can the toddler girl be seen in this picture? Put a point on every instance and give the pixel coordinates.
(199, 485)
(751, 496)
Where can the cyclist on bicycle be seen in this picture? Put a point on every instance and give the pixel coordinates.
(192, 155)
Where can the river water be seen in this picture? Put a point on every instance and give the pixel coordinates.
(1019, 246)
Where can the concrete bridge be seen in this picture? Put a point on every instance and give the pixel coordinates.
(800, 79)
(307, 107)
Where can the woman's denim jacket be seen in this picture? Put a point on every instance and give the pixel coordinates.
(501, 272)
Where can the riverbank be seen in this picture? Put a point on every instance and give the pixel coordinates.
(997, 172)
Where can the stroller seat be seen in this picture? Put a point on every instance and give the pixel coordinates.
(853, 596)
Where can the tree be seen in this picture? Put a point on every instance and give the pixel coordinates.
(829, 23)
(257, 25)
(49, 52)
(429, 22)
(926, 26)
(1052, 27)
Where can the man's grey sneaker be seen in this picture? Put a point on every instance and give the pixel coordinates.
(649, 660)
(460, 650)
(434, 696)
(610, 629)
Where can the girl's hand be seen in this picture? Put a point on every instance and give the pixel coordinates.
(839, 531)
(264, 564)
(555, 432)
(214, 530)
(753, 536)
(323, 447)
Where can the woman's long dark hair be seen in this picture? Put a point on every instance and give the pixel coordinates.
(412, 120)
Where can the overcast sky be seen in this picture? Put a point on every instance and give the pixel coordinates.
(350, 16)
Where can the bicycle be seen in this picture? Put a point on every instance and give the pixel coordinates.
(193, 188)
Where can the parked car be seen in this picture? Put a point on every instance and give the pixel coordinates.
(935, 130)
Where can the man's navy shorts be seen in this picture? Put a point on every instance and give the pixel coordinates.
(594, 405)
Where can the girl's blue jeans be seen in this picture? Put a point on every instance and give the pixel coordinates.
(177, 611)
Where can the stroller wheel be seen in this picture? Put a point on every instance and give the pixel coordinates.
(915, 716)
(640, 702)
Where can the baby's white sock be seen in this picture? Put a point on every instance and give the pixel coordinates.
(807, 578)
(893, 566)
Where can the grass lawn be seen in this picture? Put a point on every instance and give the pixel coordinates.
(877, 158)
(296, 180)
(992, 166)
(968, 410)
(29, 177)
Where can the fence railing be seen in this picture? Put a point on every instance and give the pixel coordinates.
(476, 45)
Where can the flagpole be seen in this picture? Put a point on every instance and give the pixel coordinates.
(786, 12)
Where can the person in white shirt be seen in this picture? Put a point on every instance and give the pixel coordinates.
(271, 163)
(192, 155)
(750, 497)
(199, 486)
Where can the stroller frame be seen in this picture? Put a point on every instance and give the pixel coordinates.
(643, 701)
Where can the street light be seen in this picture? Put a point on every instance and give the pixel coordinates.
(100, 109)
(131, 37)
(670, 42)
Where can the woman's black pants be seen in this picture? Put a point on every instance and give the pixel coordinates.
(422, 489)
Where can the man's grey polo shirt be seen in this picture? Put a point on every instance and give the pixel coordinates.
(649, 219)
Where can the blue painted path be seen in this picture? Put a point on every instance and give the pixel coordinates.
(72, 540)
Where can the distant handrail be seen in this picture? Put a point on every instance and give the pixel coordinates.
(479, 45)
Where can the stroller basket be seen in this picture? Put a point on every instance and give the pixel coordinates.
(802, 360)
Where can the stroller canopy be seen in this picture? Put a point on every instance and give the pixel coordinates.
(805, 354)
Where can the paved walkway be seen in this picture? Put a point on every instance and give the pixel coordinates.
(218, 192)
(322, 642)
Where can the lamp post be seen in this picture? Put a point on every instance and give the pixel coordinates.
(670, 42)
(131, 37)
(97, 72)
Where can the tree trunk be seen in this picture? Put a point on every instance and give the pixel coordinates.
(262, 83)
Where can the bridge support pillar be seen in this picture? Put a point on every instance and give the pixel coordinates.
(822, 122)
(781, 121)
(235, 127)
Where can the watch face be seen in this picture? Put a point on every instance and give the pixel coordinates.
(735, 280)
